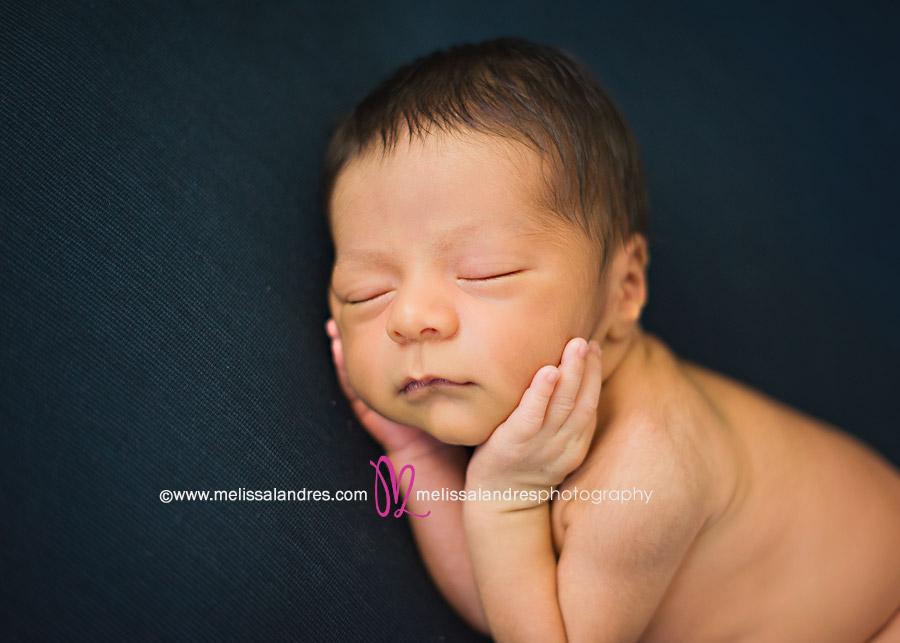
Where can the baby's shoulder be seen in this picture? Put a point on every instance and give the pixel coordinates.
(642, 495)
(668, 434)
(667, 450)
(662, 413)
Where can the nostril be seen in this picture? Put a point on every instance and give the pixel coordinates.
(398, 337)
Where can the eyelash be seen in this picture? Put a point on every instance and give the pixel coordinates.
(362, 301)
(490, 278)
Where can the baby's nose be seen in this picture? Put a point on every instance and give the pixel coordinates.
(420, 315)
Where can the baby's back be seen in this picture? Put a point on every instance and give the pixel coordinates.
(808, 533)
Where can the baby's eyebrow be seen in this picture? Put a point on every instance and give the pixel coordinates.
(454, 237)
(365, 259)
(368, 257)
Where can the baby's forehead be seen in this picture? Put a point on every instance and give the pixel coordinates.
(457, 174)
(436, 148)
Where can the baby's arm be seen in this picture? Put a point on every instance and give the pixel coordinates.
(616, 565)
(605, 587)
(544, 439)
(440, 536)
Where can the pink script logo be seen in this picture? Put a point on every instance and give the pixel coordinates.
(394, 492)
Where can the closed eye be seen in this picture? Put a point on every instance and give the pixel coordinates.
(492, 277)
(362, 301)
(475, 279)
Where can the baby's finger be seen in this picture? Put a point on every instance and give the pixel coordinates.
(571, 369)
(585, 412)
(337, 349)
(331, 328)
(527, 418)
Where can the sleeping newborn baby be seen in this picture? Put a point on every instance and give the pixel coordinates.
(488, 213)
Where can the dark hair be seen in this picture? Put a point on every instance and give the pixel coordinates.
(535, 94)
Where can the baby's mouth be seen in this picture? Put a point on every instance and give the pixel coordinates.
(429, 383)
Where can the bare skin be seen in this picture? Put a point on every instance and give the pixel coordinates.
(764, 524)
(800, 539)
(755, 571)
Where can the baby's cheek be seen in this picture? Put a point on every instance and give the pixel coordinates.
(527, 363)
(359, 365)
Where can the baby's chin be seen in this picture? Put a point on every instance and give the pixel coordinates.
(452, 424)
(465, 436)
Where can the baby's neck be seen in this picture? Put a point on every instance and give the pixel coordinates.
(625, 362)
(622, 355)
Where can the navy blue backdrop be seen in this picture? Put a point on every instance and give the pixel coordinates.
(164, 264)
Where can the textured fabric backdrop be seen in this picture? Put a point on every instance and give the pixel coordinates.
(164, 264)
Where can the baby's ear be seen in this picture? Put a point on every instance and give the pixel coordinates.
(637, 248)
(630, 288)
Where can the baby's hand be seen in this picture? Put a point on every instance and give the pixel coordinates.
(395, 439)
(547, 436)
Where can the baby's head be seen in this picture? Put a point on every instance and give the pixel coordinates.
(486, 205)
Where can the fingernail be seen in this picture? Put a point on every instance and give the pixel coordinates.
(583, 350)
(552, 376)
